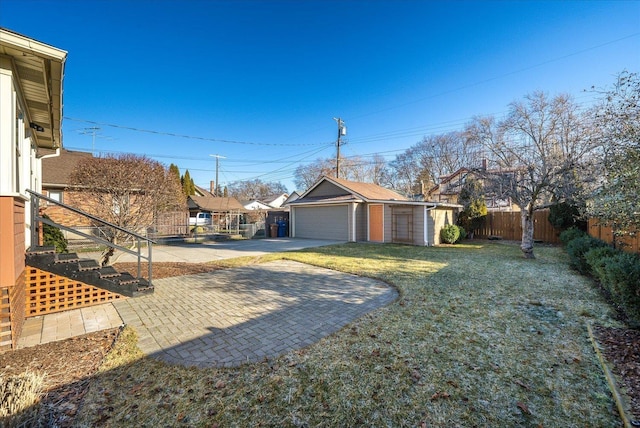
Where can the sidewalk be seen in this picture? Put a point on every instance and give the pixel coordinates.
(212, 250)
(64, 325)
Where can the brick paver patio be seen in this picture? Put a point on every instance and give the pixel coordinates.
(229, 317)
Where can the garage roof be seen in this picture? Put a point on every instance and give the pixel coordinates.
(366, 191)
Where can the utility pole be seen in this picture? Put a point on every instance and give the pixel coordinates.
(342, 130)
(216, 185)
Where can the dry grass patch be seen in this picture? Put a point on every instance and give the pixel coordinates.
(478, 337)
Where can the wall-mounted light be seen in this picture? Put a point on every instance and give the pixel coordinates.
(36, 127)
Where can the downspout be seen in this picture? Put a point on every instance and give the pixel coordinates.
(51, 155)
(292, 221)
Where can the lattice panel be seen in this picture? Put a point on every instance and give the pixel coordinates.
(48, 293)
(5, 319)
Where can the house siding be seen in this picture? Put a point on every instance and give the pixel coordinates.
(327, 189)
(441, 216)
(362, 221)
(12, 266)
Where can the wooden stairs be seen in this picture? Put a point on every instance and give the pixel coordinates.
(89, 271)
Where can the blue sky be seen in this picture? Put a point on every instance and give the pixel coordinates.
(259, 82)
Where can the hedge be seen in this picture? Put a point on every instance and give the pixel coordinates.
(618, 272)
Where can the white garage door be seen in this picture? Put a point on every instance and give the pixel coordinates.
(322, 222)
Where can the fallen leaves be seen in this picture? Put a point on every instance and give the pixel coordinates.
(440, 395)
(523, 407)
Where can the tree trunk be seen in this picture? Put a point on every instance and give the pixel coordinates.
(527, 233)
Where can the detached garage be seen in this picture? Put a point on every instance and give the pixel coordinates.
(344, 210)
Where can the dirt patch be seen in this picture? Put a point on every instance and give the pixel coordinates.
(621, 348)
(165, 269)
(67, 365)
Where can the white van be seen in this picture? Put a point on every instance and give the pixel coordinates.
(201, 219)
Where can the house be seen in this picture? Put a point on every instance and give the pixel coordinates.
(255, 205)
(344, 210)
(56, 171)
(31, 82)
(292, 197)
(34, 279)
(448, 191)
(57, 185)
(275, 201)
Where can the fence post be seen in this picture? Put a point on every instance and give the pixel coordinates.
(150, 245)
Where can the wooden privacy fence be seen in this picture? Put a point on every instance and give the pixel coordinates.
(630, 244)
(508, 225)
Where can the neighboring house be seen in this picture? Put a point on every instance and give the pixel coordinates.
(255, 205)
(275, 201)
(56, 185)
(292, 197)
(31, 82)
(351, 211)
(448, 191)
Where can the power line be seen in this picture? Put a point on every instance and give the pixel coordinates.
(192, 137)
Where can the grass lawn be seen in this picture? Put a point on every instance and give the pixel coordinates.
(478, 337)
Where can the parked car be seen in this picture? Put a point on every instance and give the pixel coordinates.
(201, 219)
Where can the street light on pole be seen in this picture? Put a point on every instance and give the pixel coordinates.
(215, 185)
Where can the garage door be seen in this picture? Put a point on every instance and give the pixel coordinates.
(322, 222)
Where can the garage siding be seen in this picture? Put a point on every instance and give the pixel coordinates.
(322, 222)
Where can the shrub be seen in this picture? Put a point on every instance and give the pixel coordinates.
(564, 215)
(571, 234)
(622, 279)
(450, 234)
(578, 247)
(597, 258)
(54, 237)
(462, 234)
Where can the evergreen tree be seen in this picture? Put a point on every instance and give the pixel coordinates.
(188, 187)
(475, 207)
(174, 171)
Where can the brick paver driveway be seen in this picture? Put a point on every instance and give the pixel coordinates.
(229, 317)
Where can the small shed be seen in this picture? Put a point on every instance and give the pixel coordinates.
(364, 212)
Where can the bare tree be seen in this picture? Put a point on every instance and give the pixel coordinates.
(307, 174)
(254, 189)
(126, 190)
(406, 172)
(533, 151)
(424, 163)
(353, 168)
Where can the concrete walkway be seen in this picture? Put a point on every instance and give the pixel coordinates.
(214, 250)
(63, 325)
(230, 317)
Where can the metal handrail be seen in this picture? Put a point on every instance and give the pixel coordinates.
(36, 217)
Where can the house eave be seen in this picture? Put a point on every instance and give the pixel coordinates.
(39, 73)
